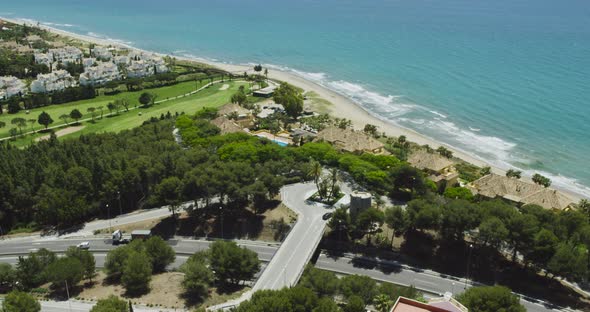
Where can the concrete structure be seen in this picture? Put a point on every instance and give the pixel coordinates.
(408, 305)
(100, 74)
(349, 140)
(54, 81)
(11, 86)
(519, 192)
(359, 201)
(265, 92)
(440, 169)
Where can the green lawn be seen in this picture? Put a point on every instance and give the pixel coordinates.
(57, 110)
(210, 97)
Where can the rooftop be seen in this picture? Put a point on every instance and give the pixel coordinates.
(230, 108)
(350, 140)
(226, 125)
(408, 305)
(494, 185)
(422, 159)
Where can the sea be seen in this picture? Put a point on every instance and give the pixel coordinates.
(507, 81)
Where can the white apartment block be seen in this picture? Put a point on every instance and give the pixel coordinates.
(102, 53)
(11, 86)
(66, 55)
(122, 60)
(44, 58)
(100, 74)
(54, 81)
(148, 65)
(87, 62)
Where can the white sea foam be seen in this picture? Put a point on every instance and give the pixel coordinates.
(474, 129)
(57, 24)
(107, 38)
(438, 114)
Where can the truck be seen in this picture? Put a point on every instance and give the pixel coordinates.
(141, 234)
(118, 238)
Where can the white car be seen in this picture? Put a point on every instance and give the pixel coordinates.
(83, 245)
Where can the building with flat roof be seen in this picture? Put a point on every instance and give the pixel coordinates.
(445, 304)
(265, 92)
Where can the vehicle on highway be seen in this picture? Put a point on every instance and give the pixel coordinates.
(327, 215)
(84, 245)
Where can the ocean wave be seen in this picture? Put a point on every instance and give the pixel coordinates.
(438, 114)
(107, 38)
(56, 24)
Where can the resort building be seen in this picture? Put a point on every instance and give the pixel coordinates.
(54, 81)
(146, 67)
(66, 55)
(11, 86)
(44, 58)
(100, 74)
(350, 141)
(101, 53)
(519, 192)
(445, 304)
(122, 60)
(242, 116)
(87, 62)
(439, 169)
(226, 125)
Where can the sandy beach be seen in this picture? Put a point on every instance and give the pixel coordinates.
(340, 106)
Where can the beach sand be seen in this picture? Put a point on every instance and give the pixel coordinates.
(339, 106)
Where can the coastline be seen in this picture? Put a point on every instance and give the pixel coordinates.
(340, 105)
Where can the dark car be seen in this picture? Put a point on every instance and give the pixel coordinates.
(327, 215)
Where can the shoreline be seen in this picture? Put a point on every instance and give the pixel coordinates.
(340, 105)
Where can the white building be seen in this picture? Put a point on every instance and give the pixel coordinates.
(100, 74)
(11, 86)
(44, 58)
(148, 65)
(102, 53)
(54, 81)
(122, 60)
(66, 55)
(87, 62)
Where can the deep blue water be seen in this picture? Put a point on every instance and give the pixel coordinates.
(506, 80)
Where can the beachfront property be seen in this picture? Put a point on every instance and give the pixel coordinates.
(351, 141)
(101, 53)
(439, 169)
(265, 92)
(146, 67)
(55, 81)
(43, 58)
(444, 304)
(11, 86)
(101, 73)
(519, 192)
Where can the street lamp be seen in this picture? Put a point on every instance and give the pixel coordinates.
(109, 216)
(468, 265)
(119, 197)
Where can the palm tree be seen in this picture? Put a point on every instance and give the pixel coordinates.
(334, 178)
(382, 303)
(316, 172)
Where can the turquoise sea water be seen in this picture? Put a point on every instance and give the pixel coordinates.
(506, 80)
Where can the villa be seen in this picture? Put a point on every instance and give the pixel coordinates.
(55, 81)
(265, 92)
(100, 74)
(519, 192)
(269, 110)
(226, 125)
(11, 86)
(349, 140)
(445, 304)
(441, 170)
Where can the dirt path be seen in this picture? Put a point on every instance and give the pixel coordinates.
(60, 133)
